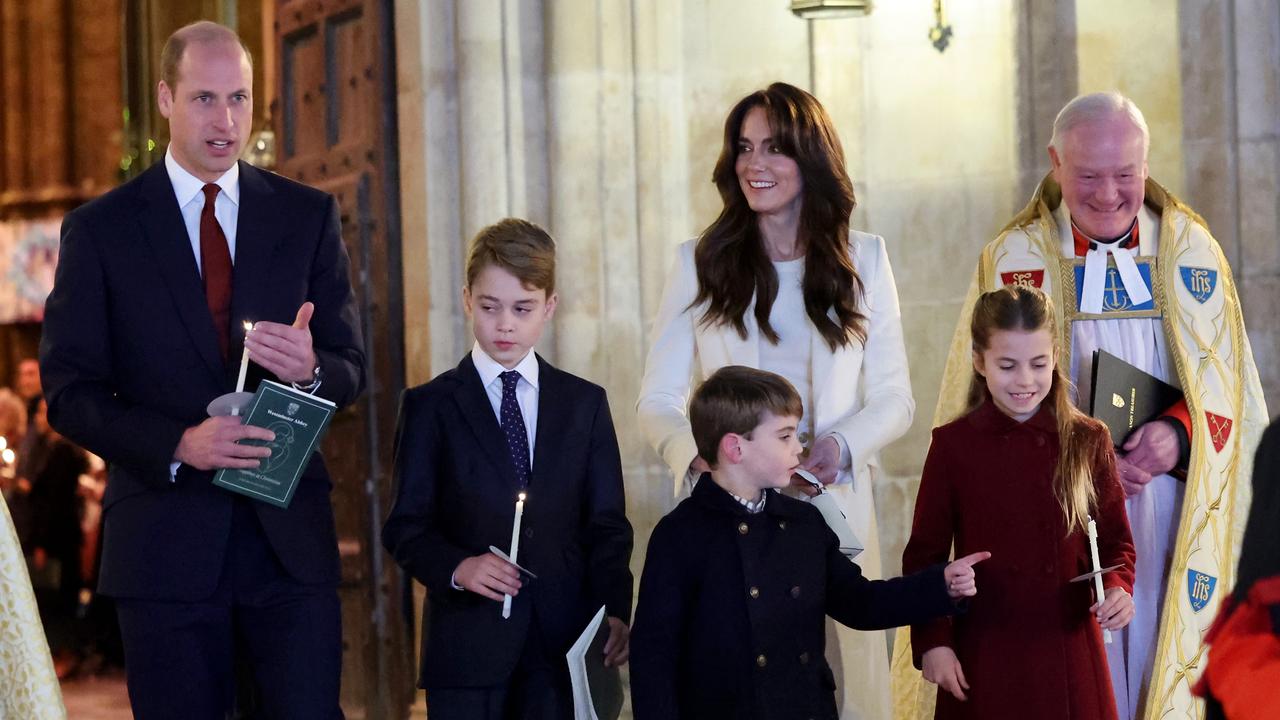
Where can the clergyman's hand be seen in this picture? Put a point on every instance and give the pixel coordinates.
(1153, 447)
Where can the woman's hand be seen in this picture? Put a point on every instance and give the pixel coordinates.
(824, 460)
(942, 668)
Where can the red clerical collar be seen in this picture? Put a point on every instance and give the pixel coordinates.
(1128, 241)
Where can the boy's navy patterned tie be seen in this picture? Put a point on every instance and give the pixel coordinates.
(513, 427)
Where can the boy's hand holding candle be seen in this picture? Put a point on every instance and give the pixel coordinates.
(489, 576)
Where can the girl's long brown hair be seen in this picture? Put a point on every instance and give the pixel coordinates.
(1026, 309)
(730, 258)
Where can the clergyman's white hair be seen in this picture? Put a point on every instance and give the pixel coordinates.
(1094, 107)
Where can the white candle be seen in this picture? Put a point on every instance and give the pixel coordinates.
(244, 367)
(515, 549)
(1097, 565)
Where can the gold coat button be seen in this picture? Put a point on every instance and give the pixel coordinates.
(804, 658)
(742, 528)
(795, 591)
(761, 660)
(754, 592)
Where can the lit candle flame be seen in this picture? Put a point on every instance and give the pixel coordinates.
(8, 455)
(247, 326)
(521, 497)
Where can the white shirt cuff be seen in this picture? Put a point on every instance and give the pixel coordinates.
(173, 471)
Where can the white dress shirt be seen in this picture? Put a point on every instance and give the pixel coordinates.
(188, 189)
(526, 389)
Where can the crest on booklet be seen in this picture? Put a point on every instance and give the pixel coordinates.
(1200, 588)
(1200, 282)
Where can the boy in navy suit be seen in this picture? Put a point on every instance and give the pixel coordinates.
(502, 423)
(737, 580)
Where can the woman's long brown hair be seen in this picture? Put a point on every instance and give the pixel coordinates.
(732, 265)
(1026, 309)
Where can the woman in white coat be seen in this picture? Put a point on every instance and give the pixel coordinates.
(780, 282)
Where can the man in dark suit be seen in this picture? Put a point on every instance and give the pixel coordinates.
(503, 423)
(141, 332)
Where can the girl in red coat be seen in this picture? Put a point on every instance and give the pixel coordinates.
(1020, 473)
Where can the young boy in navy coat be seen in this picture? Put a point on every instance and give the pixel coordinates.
(737, 580)
(502, 423)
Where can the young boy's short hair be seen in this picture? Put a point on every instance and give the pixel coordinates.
(519, 247)
(734, 400)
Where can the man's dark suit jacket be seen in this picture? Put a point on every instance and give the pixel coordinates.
(130, 358)
(730, 622)
(456, 496)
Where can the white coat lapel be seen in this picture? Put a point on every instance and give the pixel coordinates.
(835, 380)
(737, 349)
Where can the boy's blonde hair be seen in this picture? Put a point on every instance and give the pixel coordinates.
(519, 247)
(734, 400)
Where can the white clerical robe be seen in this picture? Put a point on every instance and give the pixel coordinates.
(1153, 513)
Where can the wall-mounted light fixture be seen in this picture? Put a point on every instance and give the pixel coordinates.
(940, 33)
(823, 9)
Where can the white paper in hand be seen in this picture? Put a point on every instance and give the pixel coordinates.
(577, 657)
(850, 546)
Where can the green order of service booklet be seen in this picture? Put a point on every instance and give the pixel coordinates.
(299, 420)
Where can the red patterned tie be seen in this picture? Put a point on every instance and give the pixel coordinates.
(215, 260)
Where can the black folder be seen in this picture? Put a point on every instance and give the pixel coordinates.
(1125, 397)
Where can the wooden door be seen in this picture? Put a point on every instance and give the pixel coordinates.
(333, 111)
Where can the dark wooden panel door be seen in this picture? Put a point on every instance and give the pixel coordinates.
(334, 115)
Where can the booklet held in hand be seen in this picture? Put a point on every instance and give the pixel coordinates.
(299, 420)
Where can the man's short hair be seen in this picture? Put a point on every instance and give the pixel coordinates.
(734, 400)
(204, 32)
(519, 247)
(1094, 107)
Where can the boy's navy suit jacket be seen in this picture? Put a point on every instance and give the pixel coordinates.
(456, 496)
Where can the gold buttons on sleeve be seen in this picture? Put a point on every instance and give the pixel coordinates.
(754, 592)
(761, 660)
